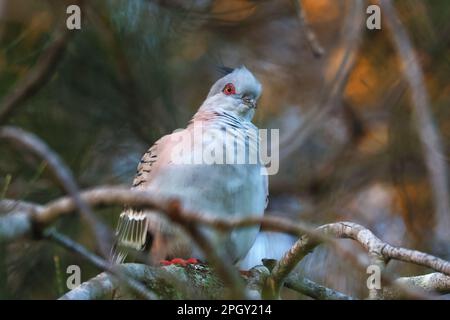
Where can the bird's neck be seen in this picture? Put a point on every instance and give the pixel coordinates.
(208, 121)
(210, 117)
(214, 106)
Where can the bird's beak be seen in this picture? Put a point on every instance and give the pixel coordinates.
(249, 102)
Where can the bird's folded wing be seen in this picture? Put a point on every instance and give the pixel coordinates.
(145, 165)
(132, 228)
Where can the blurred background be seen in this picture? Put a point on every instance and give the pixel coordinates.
(139, 69)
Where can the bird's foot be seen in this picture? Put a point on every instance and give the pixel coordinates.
(179, 262)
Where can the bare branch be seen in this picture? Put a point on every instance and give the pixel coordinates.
(108, 196)
(311, 38)
(198, 279)
(102, 196)
(432, 282)
(130, 282)
(46, 215)
(120, 196)
(31, 142)
(105, 286)
(201, 278)
(429, 135)
(9, 205)
(373, 245)
(100, 287)
(352, 31)
(316, 291)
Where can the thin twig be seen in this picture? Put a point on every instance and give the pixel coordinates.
(352, 30)
(64, 176)
(429, 135)
(316, 49)
(10, 206)
(100, 263)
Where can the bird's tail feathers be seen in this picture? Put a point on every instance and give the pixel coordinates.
(131, 234)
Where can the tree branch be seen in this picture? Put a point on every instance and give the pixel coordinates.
(429, 135)
(373, 245)
(316, 49)
(352, 33)
(59, 169)
(44, 216)
(432, 282)
(311, 289)
(200, 278)
(119, 196)
(124, 278)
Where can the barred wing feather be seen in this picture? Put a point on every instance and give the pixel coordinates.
(133, 224)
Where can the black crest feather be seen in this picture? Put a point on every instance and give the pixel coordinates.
(224, 70)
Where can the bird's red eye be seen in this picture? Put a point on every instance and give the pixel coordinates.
(229, 89)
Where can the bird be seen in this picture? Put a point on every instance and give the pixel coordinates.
(175, 167)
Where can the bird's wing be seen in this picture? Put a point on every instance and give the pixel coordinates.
(132, 227)
(145, 165)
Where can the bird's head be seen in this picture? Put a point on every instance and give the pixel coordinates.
(237, 92)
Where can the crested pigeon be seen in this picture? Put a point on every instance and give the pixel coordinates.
(175, 168)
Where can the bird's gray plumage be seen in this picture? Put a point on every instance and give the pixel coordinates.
(226, 190)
